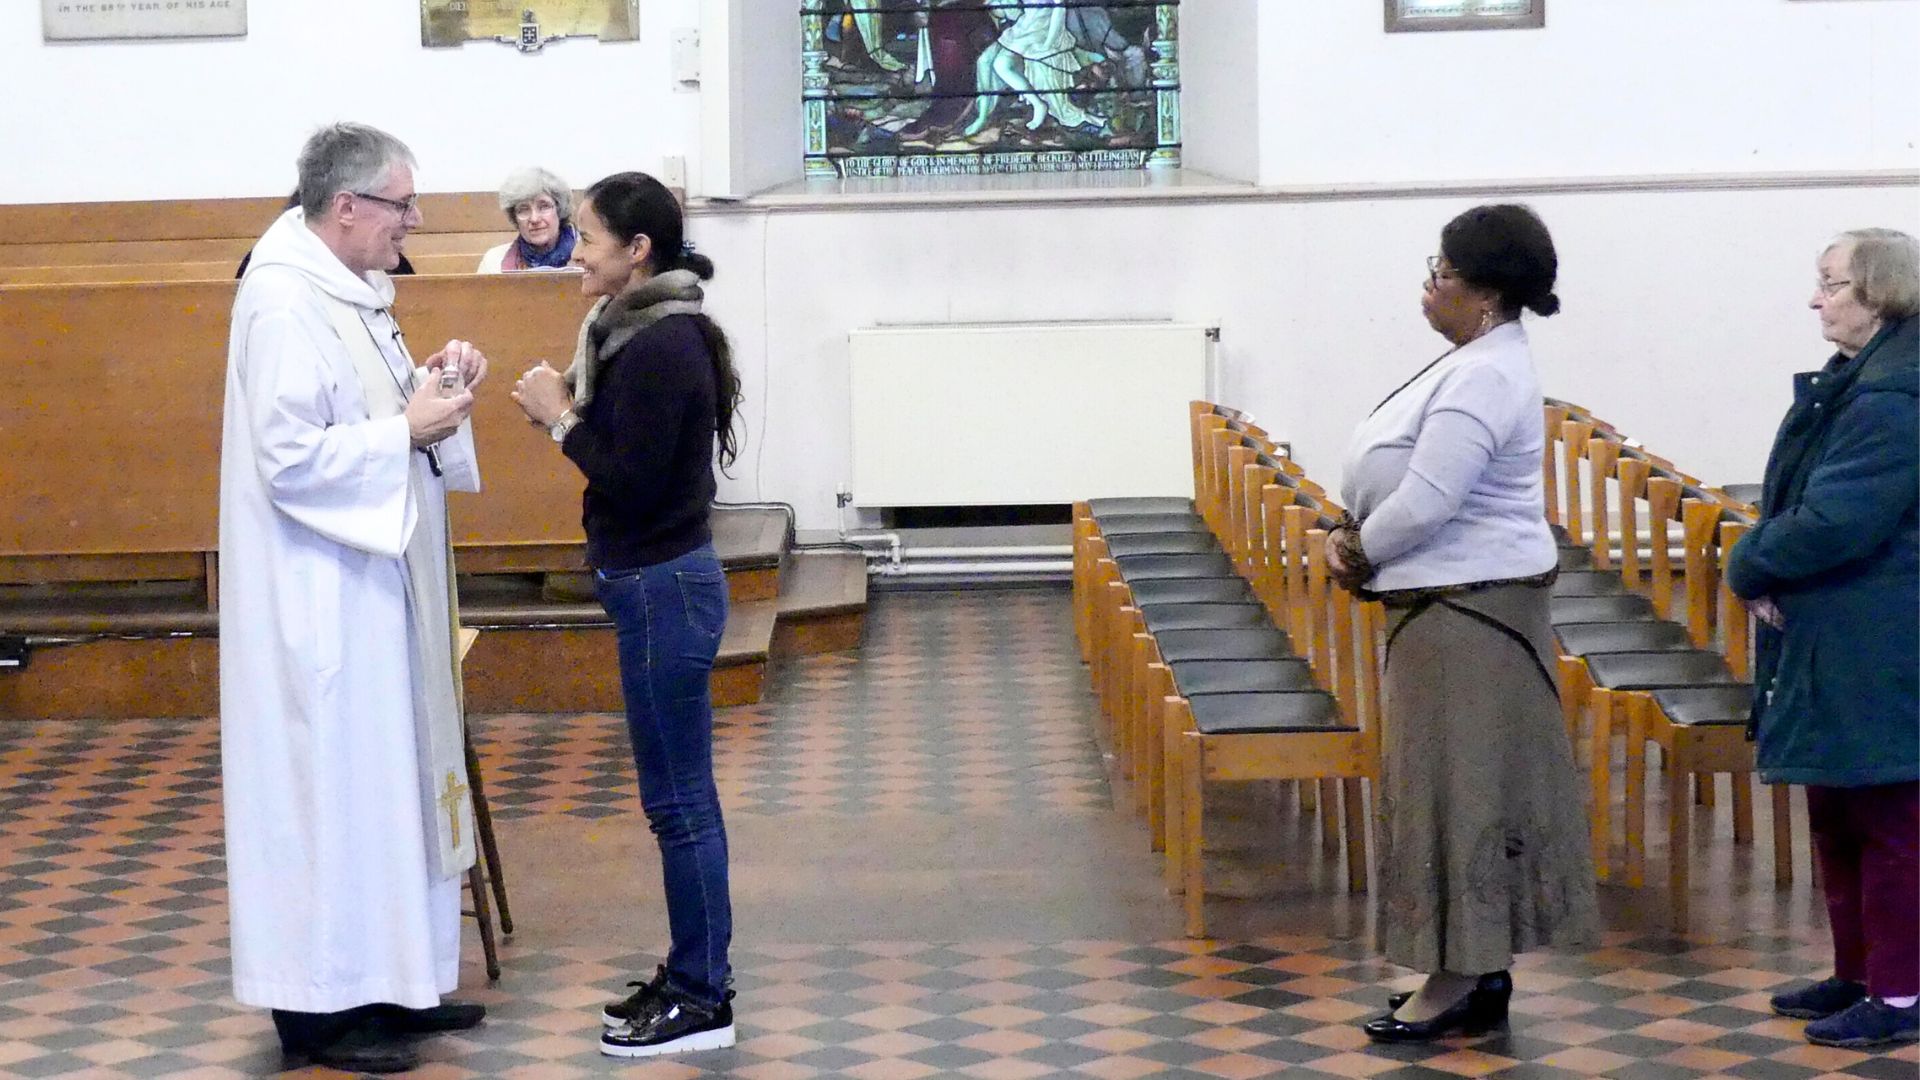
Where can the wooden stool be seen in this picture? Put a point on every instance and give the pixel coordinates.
(484, 879)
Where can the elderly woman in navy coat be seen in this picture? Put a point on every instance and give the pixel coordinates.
(1833, 573)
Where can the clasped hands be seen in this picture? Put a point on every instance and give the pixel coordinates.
(433, 414)
(1343, 573)
(542, 395)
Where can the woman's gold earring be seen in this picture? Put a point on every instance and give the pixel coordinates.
(1486, 319)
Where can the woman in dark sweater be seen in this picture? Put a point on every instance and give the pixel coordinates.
(651, 389)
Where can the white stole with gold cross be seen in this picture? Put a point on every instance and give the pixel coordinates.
(432, 603)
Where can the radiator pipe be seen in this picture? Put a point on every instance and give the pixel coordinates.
(862, 540)
(1043, 551)
(979, 569)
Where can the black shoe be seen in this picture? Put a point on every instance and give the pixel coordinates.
(446, 1016)
(1869, 1023)
(1825, 998)
(670, 1024)
(352, 1041)
(1394, 1001)
(1483, 1009)
(623, 1011)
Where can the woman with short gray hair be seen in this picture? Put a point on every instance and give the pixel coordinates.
(540, 206)
(1832, 572)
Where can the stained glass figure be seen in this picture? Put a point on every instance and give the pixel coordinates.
(945, 87)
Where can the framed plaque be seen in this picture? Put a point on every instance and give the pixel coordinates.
(1465, 14)
(98, 20)
(528, 25)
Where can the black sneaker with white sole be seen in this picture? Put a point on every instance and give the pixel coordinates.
(670, 1024)
(625, 1010)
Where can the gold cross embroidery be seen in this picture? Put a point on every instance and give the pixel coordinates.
(450, 798)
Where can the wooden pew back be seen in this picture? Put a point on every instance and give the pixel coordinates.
(204, 239)
(110, 412)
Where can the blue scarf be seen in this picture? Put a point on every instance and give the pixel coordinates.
(554, 257)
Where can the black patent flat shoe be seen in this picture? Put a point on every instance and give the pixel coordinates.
(1394, 1001)
(1483, 1009)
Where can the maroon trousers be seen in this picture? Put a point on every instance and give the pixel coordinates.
(1868, 842)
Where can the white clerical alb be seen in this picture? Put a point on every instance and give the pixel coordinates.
(347, 818)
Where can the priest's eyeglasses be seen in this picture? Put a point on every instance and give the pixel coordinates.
(1831, 289)
(408, 205)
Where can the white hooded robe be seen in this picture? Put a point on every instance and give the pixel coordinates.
(339, 891)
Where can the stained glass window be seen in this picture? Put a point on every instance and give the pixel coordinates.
(954, 87)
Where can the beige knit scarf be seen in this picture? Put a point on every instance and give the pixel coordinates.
(615, 319)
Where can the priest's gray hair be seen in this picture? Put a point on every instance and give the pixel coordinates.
(525, 185)
(1884, 266)
(346, 157)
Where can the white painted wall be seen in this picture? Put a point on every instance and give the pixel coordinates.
(1609, 87)
(190, 119)
(1220, 76)
(1684, 311)
(750, 90)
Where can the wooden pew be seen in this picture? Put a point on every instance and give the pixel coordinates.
(110, 410)
(204, 239)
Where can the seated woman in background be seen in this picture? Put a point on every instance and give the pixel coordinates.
(540, 205)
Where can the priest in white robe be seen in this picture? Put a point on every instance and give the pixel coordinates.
(348, 824)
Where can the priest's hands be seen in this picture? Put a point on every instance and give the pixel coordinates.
(542, 395)
(431, 418)
(468, 359)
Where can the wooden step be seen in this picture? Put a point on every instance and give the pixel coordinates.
(752, 544)
(563, 658)
(823, 603)
(539, 650)
(740, 671)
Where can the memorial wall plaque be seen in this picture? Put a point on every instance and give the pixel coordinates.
(103, 20)
(527, 24)
(1466, 14)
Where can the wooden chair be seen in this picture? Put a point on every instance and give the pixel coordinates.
(1280, 736)
(1702, 731)
(1613, 677)
(486, 881)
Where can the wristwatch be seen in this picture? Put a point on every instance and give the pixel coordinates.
(563, 425)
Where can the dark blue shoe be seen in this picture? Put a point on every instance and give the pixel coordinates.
(1828, 997)
(1868, 1024)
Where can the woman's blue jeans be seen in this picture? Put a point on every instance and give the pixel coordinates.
(668, 618)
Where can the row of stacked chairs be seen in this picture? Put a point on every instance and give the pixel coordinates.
(1221, 650)
(1648, 659)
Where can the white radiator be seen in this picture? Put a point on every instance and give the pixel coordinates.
(1013, 414)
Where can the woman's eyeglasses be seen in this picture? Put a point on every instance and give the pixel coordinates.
(1435, 273)
(528, 210)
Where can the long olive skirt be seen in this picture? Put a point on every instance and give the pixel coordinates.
(1483, 837)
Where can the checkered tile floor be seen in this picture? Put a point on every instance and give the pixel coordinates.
(112, 917)
(973, 703)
